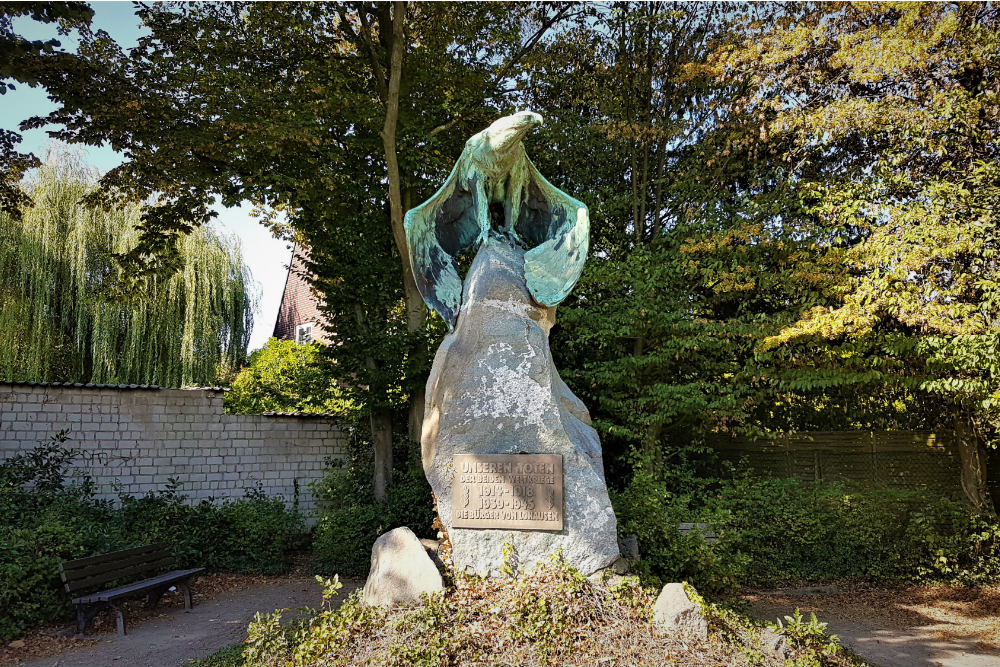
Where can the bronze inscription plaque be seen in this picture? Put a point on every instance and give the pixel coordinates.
(518, 491)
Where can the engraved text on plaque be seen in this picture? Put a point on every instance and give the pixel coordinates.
(518, 491)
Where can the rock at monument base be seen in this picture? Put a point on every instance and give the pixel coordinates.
(401, 570)
(675, 613)
(775, 643)
(629, 546)
(494, 389)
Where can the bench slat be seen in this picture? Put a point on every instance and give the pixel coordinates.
(142, 568)
(139, 587)
(111, 564)
(70, 565)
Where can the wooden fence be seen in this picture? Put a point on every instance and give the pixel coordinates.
(911, 459)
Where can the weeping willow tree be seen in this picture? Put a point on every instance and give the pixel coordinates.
(59, 322)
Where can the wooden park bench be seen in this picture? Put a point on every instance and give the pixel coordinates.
(138, 572)
(706, 531)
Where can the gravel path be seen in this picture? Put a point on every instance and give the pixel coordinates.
(177, 637)
(886, 639)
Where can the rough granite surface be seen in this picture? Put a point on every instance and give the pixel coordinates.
(494, 389)
(674, 613)
(401, 570)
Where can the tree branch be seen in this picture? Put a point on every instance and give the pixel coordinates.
(524, 49)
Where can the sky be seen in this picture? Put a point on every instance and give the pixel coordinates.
(266, 256)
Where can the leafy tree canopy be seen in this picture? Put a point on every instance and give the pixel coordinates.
(32, 63)
(285, 376)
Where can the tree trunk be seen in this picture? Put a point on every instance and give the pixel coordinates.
(389, 145)
(415, 320)
(381, 417)
(972, 455)
(415, 311)
(381, 426)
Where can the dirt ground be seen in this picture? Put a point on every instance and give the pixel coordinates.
(917, 626)
(168, 636)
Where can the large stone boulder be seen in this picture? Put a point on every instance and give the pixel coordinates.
(674, 613)
(401, 570)
(494, 389)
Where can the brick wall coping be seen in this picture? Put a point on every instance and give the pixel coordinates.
(91, 385)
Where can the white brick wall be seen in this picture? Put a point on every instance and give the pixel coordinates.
(133, 440)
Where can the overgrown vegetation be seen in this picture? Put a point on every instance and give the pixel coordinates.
(551, 615)
(778, 531)
(285, 376)
(49, 514)
(350, 518)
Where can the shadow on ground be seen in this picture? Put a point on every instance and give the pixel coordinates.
(944, 626)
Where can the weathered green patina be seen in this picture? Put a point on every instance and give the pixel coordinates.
(496, 195)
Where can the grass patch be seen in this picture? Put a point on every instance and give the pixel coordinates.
(230, 656)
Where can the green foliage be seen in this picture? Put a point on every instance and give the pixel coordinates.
(818, 648)
(230, 656)
(351, 519)
(320, 633)
(49, 514)
(33, 63)
(285, 376)
(651, 507)
(795, 530)
(776, 531)
(544, 615)
(45, 517)
(59, 320)
(427, 636)
(255, 534)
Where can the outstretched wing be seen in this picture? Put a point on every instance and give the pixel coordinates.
(559, 228)
(437, 231)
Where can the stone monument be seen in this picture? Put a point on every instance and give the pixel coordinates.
(507, 448)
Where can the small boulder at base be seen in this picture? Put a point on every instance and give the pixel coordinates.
(774, 643)
(675, 613)
(401, 570)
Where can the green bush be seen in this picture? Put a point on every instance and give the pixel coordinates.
(793, 530)
(651, 507)
(48, 515)
(252, 535)
(350, 518)
(45, 517)
(776, 531)
(285, 376)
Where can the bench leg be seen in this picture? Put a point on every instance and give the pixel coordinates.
(81, 621)
(119, 619)
(154, 597)
(84, 614)
(186, 589)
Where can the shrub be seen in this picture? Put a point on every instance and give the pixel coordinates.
(350, 519)
(252, 535)
(49, 515)
(651, 507)
(794, 530)
(285, 376)
(46, 516)
(774, 531)
(551, 614)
